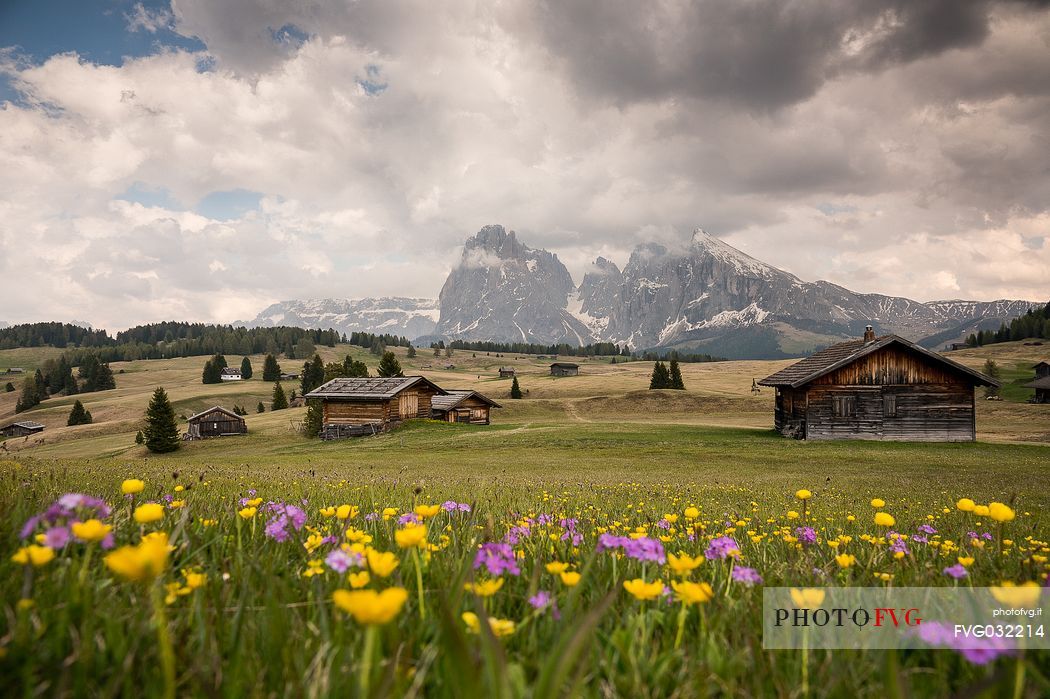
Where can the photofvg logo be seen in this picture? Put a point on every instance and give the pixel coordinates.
(908, 617)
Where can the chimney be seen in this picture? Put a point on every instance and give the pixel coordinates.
(869, 334)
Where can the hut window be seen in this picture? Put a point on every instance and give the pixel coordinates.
(844, 406)
(478, 414)
(889, 406)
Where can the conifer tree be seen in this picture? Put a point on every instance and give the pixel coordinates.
(389, 366)
(675, 375)
(515, 389)
(278, 401)
(314, 421)
(104, 380)
(354, 369)
(260, 408)
(313, 375)
(246, 368)
(271, 369)
(10, 387)
(162, 432)
(411, 351)
(660, 378)
(139, 439)
(29, 398)
(79, 415)
(991, 369)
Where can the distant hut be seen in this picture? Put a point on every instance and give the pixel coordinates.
(1041, 384)
(215, 422)
(230, 374)
(877, 388)
(461, 405)
(21, 428)
(289, 377)
(506, 372)
(354, 406)
(565, 369)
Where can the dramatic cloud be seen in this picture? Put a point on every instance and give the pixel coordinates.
(347, 149)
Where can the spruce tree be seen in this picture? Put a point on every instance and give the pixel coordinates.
(314, 421)
(10, 387)
(260, 408)
(29, 398)
(246, 368)
(278, 401)
(219, 360)
(208, 373)
(354, 369)
(79, 415)
(162, 432)
(389, 366)
(104, 380)
(271, 369)
(313, 375)
(660, 377)
(676, 376)
(41, 386)
(411, 351)
(991, 369)
(515, 389)
(139, 439)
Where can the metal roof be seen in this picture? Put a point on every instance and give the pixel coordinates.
(213, 409)
(456, 396)
(26, 424)
(843, 353)
(569, 365)
(376, 388)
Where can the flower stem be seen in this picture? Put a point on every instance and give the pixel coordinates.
(167, 654)
(681, 627)
(366, 659)
(419, 583)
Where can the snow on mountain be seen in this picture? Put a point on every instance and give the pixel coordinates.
(409, 317)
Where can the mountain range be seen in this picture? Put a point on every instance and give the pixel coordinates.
(704, 296)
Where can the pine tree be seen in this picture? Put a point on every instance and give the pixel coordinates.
(411, 351)
(271, 369)
(515, 389)
(208, 373)
(10, 387)
(334, 370)
(162, 432)
(354, 369)
(41, 386)
(260, 408)
(246, 368)
(219, 360)
(104, 380)
(29, 398)
(79, 415)
(660, 377)
(675, 376)
(278, 401)
(991, 369)
(313, 375)
(139, 439)
(70, 385)
(389, 366)
(314, 421)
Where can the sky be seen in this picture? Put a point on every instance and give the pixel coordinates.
(199, 160)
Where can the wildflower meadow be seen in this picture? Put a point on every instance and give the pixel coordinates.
(172, 584)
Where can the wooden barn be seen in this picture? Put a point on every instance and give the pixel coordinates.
(21, 428)
(506, 372)
(373, 403)
(877, 388)
(1041, 384)
(565, 369)
(462, 406)
(215, 422)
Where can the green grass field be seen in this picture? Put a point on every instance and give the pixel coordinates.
(598, 449)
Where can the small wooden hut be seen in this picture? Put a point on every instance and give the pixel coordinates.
(230, 374)
(877, 388)
(21, 428)
(461, 405)
(215, 422)
(565, 369)
(1041, 384)
(375, 403)
(506, 372)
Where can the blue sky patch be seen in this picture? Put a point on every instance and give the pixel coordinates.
(372, 83)
(142, 193)
(224, 206)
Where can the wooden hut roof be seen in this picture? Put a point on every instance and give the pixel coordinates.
(1036, 366)
(230, 371)
(212, 409)
(456, 396)
(25, 424)
(369, 388)
(843, 353)
(1041, 382)
(567, 365)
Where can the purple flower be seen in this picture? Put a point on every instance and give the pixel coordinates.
(30, 526)
(927, 529)
(920, 539)
(276, 528)
(645, 549)
(806, 535)
(721, 547)
(449, 505)
(372, 516)
(544, 520)
(339, 560)
(748, 576)
(463, 507)
(497, 559)
(515, 534)
(610, 541)
(56, 537)
(107, 542)
(541, 600)
(297, 516)
(979, 651)
(957, 571)
(408, 518)
(663, 524)
(899, 546)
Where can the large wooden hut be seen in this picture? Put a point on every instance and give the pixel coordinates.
(565, 369)
(877, 388)
(461, 405)
(21, 428)
(364, 405)
(215, 422)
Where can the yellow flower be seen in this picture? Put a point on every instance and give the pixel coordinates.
(132, 486)
(142, 562)
(981, 510)
(486, 588)
(691, 513)
(195, 579)
(389, 512)
(180, 488)
(371, 607)
(208, 522)
(33, 555)
(149, 512)
(845, 560)
(313, 542)
(359, 579)
(556, 567)
(569, 578)
(965, 561)
(327, 511)
(346, 512)
(255, 502)
(683, 564)
(803, 494)
(176, 504)
(499, 627)
(807, 597)
(314, 567)
(382, 564)
(878, 502)
(644, 590)
(792, 514)
(247, 512)
(691, 592)
(884, 519)
(411, 537)
(851, 518)
(672, 518)
(1000, 512)
(1023, 595)
(357, 536)
(91, 530)
(427, 511)
(965, 505)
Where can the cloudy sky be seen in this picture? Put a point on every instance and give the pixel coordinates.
(199, 160)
